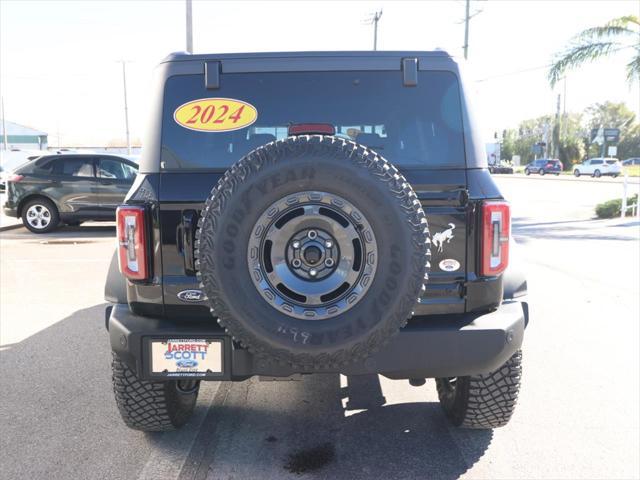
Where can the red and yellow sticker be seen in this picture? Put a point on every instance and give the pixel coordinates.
(215, 114)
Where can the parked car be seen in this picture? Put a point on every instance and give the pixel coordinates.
(68, 188)
(257, 242)
(501, 167)
(631, 161)
(596, 167)
(12, 159)
(543, 166)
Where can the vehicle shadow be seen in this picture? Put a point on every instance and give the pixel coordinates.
(285, 429)
(59, 420)
(57, 414)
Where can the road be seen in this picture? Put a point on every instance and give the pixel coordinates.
(577, 417)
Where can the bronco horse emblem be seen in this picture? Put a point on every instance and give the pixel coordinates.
(444, 236)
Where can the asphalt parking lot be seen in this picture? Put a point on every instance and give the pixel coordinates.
(578, 414)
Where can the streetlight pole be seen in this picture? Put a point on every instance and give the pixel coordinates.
(4, 127)
(126, 108)
(189, 27)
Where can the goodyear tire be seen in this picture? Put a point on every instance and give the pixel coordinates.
(312, 252)
(482, 401)
(152, 406)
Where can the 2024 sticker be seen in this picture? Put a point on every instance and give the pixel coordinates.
(215, 114)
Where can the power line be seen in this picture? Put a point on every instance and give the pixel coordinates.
(540, 67)
(516, 72)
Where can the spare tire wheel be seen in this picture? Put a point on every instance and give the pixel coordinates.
(312, 251)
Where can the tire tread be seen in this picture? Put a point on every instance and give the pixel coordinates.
(483, 401)
(146, 405)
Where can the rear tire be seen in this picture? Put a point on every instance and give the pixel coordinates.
(482, 401)
(152, 406)
(597, 174)
(40, 215)
(527, 172)
(576, 173)
(541, 172)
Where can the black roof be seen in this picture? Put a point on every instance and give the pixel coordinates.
(185, 56)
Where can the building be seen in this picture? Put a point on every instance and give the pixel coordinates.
(21, 137)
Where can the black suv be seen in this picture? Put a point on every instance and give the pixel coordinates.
(300, 213)
(68, 188)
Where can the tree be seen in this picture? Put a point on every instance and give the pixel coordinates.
(610, 115)
(571, 139)
(618, 35)
(508, 147)
(629, 145)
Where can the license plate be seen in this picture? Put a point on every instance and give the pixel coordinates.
(186, 357)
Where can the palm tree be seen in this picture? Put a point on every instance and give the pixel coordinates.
(619, 34)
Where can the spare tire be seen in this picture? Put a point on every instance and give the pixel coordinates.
(312, 251)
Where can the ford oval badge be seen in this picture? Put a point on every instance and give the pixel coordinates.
(191, 295)
(187, 363)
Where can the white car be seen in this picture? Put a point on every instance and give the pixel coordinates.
(596, 167)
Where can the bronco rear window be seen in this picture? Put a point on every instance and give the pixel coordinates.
(417, 126)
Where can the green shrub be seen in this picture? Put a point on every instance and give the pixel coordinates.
(612, 208)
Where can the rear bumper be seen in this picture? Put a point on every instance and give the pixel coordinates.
(436, 346)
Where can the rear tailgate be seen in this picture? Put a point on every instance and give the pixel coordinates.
(442, 193)
(179, 212)
(444, 197)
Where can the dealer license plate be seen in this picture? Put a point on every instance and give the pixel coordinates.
(186, 357)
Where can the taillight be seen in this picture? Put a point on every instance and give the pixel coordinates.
(15, 178)
(496, 230)
(132, 242)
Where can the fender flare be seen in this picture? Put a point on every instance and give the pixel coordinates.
(115, 288)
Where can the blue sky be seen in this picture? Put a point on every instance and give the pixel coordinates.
(59, 70)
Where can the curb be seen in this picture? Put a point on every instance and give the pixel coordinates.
(570, 179)
(10, 227)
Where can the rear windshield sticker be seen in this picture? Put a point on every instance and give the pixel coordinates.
(215, 114)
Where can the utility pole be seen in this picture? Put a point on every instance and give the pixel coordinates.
(189, 27)
(126, 108)
(466, 29)
(564, 98)
(556, 138)
(373, 19)
(4, 128)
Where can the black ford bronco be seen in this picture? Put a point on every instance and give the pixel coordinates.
(301, 213)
